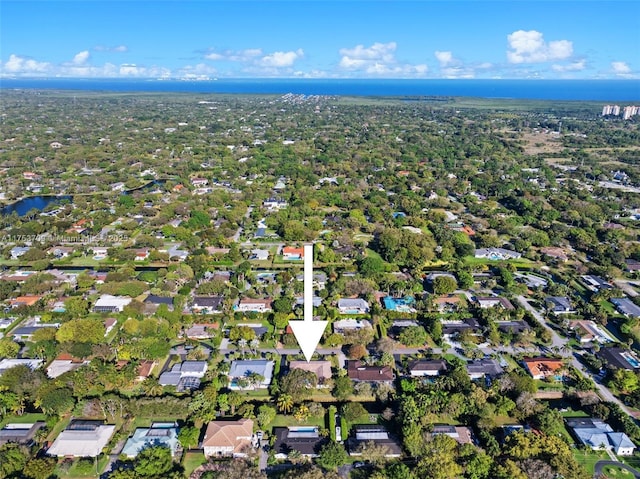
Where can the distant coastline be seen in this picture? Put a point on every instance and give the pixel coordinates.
(578, 90)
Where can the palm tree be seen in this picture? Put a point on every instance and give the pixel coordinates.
(284, 403)
(242, 343)
(152, 387)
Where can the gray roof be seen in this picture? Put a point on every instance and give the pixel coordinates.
(243, 368)
(485, 366)
(169, 378)
(559, 303)
(357, 303)
(626, 306)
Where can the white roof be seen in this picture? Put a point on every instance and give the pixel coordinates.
(115, 301)
(81, 443)
(11, 363)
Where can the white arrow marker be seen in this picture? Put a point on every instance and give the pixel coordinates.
(308, 332)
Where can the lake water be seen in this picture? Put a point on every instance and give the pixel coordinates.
(23, 206)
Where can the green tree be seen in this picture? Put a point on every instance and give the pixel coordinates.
(153, 462)
(86, 330)
(284, 403)
(188, 436)
(299, 384)
(332, 455)
(444, 284)
(8, 348)
(266, 414)
(413, 336)
(353, 410)
(343, 388)
(40, 468)
(13, 459)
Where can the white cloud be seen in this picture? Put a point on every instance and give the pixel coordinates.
(81, 58)
(22, 65)
(444, 58)
(576, 66)
(378, 60)
(620, 68)
(530, 47)
(281, 59)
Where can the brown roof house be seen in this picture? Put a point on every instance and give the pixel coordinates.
(322, 369)
(358, 371)
(228, 438)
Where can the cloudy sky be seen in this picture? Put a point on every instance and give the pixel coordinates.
(550, 39)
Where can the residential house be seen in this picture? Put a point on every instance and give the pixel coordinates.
(559, 305)
(142, 254)
(359, 371)
(228, 438)
(184, 376)
(111, 304)
(18, 251)
(274, 204)
(259, 254)
(253, 305)
(353, 306)
(322, 369)
(304, 439)
(207, 304)
(626, 307)
(201, 331)
(316, 300)
(144, 369)
(82, 438)
(22, 434)
(344, 325)
(531, 280)
(9, 363)
(292, 254)
(22, 301)
(159, 434)
(199, 182)
(486, 367)
(555, 253)
(362, 435)
(589, 332)
(461, 434)
(598, 435)
(452, 328)
(497, 254)
(543, 368)
(632, 265)
(427, 367)
(63, 364)
(619, 358)
(485, 302)
(512, 327)
(100, 252)
(446, 303)
(595, 283)
(25, 333)
(60, 252)
(244, 369)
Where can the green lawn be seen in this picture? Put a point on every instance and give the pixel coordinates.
(192, 460)
(289, 421)
(27, 418)
(615, 472)
(589, 459)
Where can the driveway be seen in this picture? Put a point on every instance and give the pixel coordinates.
(600, 465)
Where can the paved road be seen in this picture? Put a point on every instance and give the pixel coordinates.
(600, 465)
(627, 286)
(559, 342)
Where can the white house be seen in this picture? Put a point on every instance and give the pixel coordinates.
(228, 438)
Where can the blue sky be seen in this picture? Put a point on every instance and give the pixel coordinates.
(321, 39)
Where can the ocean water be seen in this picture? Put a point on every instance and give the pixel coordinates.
(584, 90)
